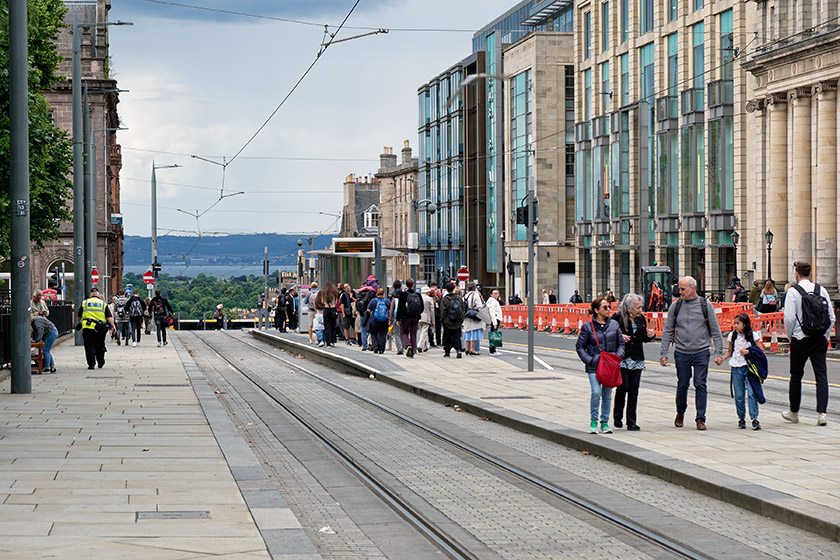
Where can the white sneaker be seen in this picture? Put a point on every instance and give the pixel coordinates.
(134, 345)
(821, 421)
(792, 417)
(159, 345)
(320, 345)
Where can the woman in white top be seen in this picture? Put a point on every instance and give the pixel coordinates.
(740, 339)
(495, 309)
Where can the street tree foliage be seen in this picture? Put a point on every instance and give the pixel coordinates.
(50, 148)
(197, 298)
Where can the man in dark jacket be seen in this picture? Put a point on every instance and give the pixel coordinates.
(452, 317)
(408, 316)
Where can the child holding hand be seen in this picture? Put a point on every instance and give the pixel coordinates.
(740, 339)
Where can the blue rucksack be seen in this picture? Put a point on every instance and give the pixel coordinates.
(380, 314)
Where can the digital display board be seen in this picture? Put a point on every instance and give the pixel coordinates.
(353, 246)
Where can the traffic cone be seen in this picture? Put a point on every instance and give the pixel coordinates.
(566, 327)
(554, 324)
(774, 341)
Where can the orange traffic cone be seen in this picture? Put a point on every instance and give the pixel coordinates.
(566, 327)
(774, 341)
(554, 324)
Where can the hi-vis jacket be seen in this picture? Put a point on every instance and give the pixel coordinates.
(93, 309)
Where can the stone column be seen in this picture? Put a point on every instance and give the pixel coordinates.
(777, 187)
(826, 192)
(800, 227)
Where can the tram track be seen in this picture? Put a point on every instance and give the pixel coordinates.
(411, 514)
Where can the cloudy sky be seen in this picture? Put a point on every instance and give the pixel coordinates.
(202, 83)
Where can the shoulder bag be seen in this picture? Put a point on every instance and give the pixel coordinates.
(608, 373)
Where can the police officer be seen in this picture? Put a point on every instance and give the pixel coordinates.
(95, 318)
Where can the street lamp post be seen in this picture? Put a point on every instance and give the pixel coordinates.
(735, 237)
(768, 237)
(155, 265)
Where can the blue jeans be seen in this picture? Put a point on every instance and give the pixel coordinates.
(319, 334)
(48, 344)
(698, 362)
(599, 395)
(739, 381)
(365, 334)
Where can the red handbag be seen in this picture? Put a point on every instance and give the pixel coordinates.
(608, 373)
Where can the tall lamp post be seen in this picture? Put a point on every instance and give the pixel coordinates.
(155, 264)
(768, 237)
(735, 237)
(78, 169)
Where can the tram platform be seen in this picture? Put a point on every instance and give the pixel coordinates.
(789, 472)
(135, 460)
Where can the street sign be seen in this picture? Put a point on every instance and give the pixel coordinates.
(94, 276)
(149, 278)
(463, 274)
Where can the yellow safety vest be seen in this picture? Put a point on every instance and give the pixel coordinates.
(92, 308)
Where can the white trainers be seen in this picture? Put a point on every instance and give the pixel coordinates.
(821, 421)
(134, 345)
(159, 345)
(792, 417)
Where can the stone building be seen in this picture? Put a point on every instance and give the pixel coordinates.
(102, 100)
(538, 109)
(360, 213)
(661, 140)
(398, 188)
(794, 128)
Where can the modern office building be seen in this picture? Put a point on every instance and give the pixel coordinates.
(451, 180)
(104, 120)
(661, 141)
(794, 130)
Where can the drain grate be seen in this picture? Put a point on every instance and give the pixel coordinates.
(161, 384)
(104, 377)
(522, 397)
(535, 378)
(172, 515)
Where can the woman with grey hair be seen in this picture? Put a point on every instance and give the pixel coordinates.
(635, 331)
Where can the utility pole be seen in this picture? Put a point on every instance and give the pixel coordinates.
(89, 245)
(265, 306)
(531, 272)
(155, 264)
(20, 222)
(90, 195)
(78, 182)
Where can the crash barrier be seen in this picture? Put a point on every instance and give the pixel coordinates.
(568, 318)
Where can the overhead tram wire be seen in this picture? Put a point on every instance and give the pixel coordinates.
(267, 158)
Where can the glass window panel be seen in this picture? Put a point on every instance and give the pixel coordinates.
(605, 26)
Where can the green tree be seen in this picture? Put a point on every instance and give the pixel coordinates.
(50, 148)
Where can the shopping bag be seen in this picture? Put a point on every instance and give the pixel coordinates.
(495, 338)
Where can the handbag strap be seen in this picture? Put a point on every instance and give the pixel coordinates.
(595, 334)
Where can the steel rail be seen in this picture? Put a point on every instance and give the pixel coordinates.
(582, 503)
(404, 509)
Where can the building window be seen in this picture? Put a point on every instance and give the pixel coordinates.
(625, 79)
(601, 162)
(625, 272)
(583, 184)
(721, 172)
(624, 162)
(727, 45)
(698, 60)
(668, 172)
(587, 34)
(697, 4)
(625, 19)
(605, 26)
(587, 95)
(672, 10)
(646, 56)
(606, 93)
(646, 15)
(693, 158)
(520, 141)
(673, 65)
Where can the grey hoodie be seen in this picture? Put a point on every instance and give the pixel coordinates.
(691, 335)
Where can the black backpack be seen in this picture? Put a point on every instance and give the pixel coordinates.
(413, 305)
(363, 300)
(743, 296)
(456, 310)
(815, 319)
(135, 309)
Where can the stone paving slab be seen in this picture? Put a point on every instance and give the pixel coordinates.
(88, 451)
(786, 471)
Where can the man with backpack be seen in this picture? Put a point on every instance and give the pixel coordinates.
(691, 325)
(136, 308)
(452, 317)
(409, 311)
(121, 316)
(364, 295)
(809, 319)
(378, 314)
(161, 310)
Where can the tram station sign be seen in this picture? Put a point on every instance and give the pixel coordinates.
(360, 247)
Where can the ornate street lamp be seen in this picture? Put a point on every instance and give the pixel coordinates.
(768, 237)
(733, 283)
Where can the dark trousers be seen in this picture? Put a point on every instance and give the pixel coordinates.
(813, 348)
(280, 320)
(330, 319)
(451, 339)
(378, 334)
(136, 327)
(94, 347)
(699, 364)
(409, 331)
(630, 380)
(161, 326)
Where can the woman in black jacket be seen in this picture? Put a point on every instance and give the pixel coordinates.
(601, 333)
(635, 331)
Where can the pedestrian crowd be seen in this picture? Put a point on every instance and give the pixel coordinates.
(611, 344)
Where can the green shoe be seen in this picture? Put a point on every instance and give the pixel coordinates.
(605, 428)
(593, 427)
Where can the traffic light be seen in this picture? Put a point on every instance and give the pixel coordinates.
(522, 215)
(156, 267)
(53, 280)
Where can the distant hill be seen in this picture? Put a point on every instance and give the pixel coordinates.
(218, 250)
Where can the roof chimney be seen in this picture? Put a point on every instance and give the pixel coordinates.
(387, 161)
(406, 153)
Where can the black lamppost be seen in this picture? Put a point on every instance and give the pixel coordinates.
(733, 284)
(768, 237)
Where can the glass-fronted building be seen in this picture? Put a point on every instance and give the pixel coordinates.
(660, 148)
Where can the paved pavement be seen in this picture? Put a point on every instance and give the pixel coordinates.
(135, 460)
(785, 471)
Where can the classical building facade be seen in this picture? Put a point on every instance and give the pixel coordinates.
(398, 190)
(661, 140)
(102, 101)
(538, 110)
(793, 124)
